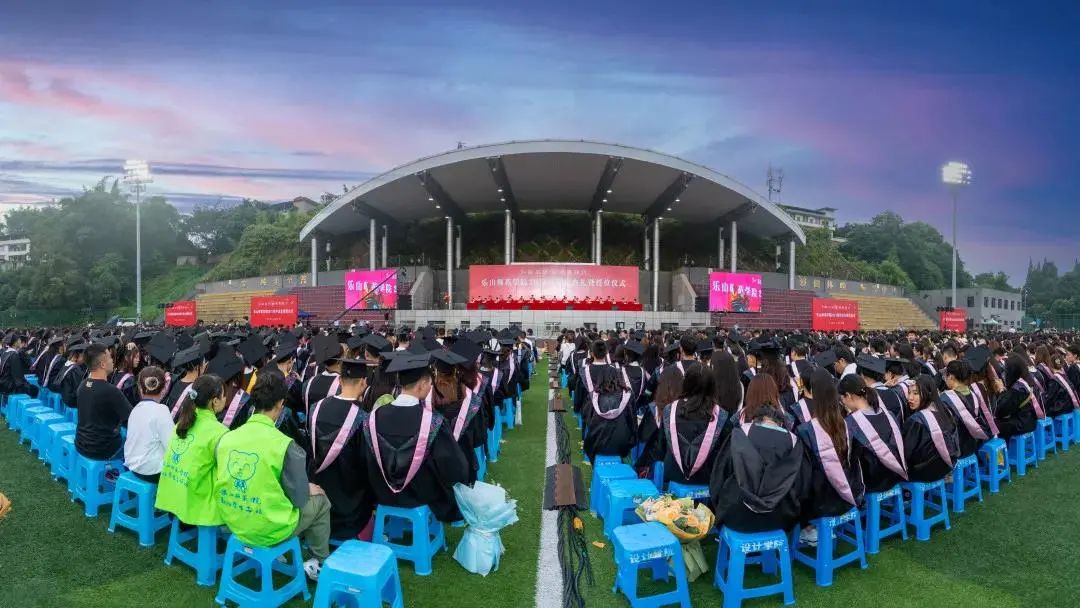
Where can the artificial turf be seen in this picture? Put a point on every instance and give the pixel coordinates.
(1017, 548)
(52, 555)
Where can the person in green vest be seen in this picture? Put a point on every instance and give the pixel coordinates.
(261, 483)
(186, 486)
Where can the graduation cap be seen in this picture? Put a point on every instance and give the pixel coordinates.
(445, 360)
(142, 337)
(325, 348)
(161, 347)
(870, 363)
(186, 357)
(225, 365)
(428, 332)
(638, 335)
(410, 368)
(75, 340)
(55, 340)
(376, 343)
(353, 368)
(635, 347)
(78, 347)
(705, 346)
(672, 348)
(467, 349)
(184, 340)
(734, 337)
(355, 342)
(825, 358)
(978, 357)
(431, 343)
(417, 347)
(283, 352)
(252, 350)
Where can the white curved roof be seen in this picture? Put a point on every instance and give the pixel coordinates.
(553, 175)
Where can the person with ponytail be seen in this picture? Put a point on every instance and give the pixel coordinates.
(188, 365)
(149, 427)
(831, 462)
(186, 486)
(610, 424)
(963, 405)
(1018, 407)
(931, 440)
(882, 458)
(456, 395)
(692, 429)
(1061, 397)
(666, 392)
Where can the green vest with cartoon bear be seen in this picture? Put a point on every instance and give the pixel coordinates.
(186, 488)
(247, 483)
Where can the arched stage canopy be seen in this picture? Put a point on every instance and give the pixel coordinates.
(551, 174)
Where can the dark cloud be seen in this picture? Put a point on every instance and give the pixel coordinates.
(114, 166)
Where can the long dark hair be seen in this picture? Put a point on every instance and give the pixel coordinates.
(827, 410)
(853, 384)
(928, 392)
(205, 389)
(725, 371)
(772, 365)
(761, 392)
(1016, 368)
(698, 388)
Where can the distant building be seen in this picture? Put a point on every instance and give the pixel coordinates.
(302, 204)
(986, 308)
(14, 252)
(823, 217)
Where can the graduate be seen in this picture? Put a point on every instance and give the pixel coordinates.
(897, 379)
(773, 366)
(378, 352)
(128, 366)
(1072, 365)
(802, 411)
(874, 428)
(187, 365)
(610, 425)
(753, 360)
(762, 391)
(412, 458)
(325, 351)
(931, 442)
(973, 428)
(13, 366)
(651, 419)
(831, 460)
(70, 374)
(872, 370)
(457, 396)
(229, 367)
(692, 429)
(1061, 397)
(336, 452)
(1018, 408)
(45, 363)
(757, 483)
(636, 376)
(253, 351)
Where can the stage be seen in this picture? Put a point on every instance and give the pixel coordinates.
(546, 323)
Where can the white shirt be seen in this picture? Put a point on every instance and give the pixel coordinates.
(848, 371)
(565, 351)
(149, 430)
(404, 400)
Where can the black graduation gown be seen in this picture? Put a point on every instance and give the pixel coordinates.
(602, 436)
(822, 499)
(488, 405)
(67, 383)
(648, 436)
(893, 401)
(691, 433)
(1057, 402)
(795, 412)
(746, 377)
(876, 476)
(13, 375)
(577, 385)
(41, 365)
(443, 466)
(52, 370)
(968, 443)
(636, 375)
(127, 387)
(762, 468)
(345, 479)
(244, 410)
(314, 389)
(473, 432)
(1014, 413)
(1073, 374)
(175, 391)
(924, 462)
(379, 383)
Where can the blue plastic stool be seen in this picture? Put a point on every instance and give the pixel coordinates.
(359, 574)
(1076, 425)
(884, 507)
(72, 414)
(507, 413)
(31, 379)
(481, 463)
(1045, 440)
(562, 379)
(686, 490)
(1022, 452)
(30, 409)
(203, 555)
(14, 410)
(427, 535)
(50, 434)
(649, 545)
(848, 528)
(87, 483)
(922, 503)
(994, 464)
(624, 495)
(737, 549)
(39, 432)
(494, 440)
(598, 486)
(965, 483)
(133, 508)
(62, 457)
(578, 418)
(264, 560)
(1063, 431)
(658, 475)
(606, 459)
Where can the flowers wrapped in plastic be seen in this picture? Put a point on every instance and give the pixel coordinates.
(486, 510)
(687, 521)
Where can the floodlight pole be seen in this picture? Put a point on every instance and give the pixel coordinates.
(138, 254)
(955, 194)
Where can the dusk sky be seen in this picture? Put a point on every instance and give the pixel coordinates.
(271, 100)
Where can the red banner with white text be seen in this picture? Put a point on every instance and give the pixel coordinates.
(835, 315)
(274, 310)
(539, 282)
(953, 320)
(181, 314)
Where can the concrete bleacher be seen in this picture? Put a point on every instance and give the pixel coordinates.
(780, 309)
(325, 303)
(888, 313)
(229, 306)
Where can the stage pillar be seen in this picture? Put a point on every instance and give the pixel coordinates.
(457, 249)
(449, 262)
(385, 243)
(599, 237)
(506, 238)
(513, 241)
(314, 261)
(371, 244)
(791, 265)
(645, 255)
(656, 265)
(720, 247)
(734, 246)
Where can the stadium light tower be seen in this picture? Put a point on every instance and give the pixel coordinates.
(955, 175)
(137, 175)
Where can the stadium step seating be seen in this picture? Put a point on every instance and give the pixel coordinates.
(326, 302)
(225, 307)
(780, 309)
(887, 313)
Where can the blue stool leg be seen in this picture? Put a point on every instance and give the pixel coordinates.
(873, 526)
(734, 583)
(824, 557)
(785, 575)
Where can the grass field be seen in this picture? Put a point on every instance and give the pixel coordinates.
(1019, 548)
(52, 555)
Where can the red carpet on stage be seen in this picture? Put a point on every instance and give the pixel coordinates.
(552, 305)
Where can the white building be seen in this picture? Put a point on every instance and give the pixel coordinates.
(823, 217)
(14, 252)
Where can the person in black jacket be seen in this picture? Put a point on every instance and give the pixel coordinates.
(13, 368)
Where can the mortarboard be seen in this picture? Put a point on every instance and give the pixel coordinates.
(410, 368)
(283, 352)
(325, 348)
(635, 347)
(467, 349)
(225, 365)
(825, 358)
(78, 347)
(186, 356)
(58, 339)
(431, 343)
(376, 343)
(252, 350)
(705, 346)
(445, 360)
(672, 348)
(869, 363)
(978, 357)
(161, 347)
(353, 368)
(142, 337)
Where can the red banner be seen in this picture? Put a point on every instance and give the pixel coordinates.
(552, 282)
(274, 310)
(181, 314)
(835, 315)
(954, 320)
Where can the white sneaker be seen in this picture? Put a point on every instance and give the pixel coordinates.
(312, 568)
(808, 537)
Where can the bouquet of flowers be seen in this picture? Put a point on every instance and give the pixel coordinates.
(687, 521)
